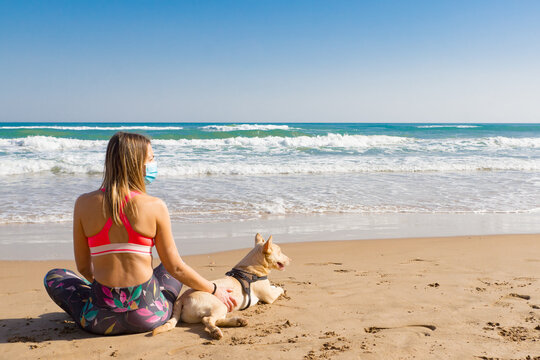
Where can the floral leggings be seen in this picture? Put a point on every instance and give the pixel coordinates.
(105, 310)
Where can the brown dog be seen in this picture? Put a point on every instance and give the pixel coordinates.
(199, 306)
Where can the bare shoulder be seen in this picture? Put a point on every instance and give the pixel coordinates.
(89, 197)
(150, 202)
(88, 203)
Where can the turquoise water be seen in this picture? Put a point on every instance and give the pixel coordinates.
(103, 131)
(222, 172)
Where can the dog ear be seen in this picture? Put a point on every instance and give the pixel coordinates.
(258, 239)
(267, 246)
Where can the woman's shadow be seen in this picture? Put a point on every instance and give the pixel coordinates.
(47, 327)
(58, 326)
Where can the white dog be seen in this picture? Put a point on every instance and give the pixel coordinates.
(249, 282)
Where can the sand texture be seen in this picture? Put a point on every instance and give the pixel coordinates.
(432, 298)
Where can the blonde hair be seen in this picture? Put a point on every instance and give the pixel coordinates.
(124, 171)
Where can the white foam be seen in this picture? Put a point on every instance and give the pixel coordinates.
(506, 142)
(339, 187)
(332, 153)
(328, 142)
(36, 166)
(266, 143)
(359, 142)
(228, 167)
(35, 218)
(295, 206)
(371, 165)
(245, 127)
(276, 206)
(447, 126)
(86, 128)
(50, 143)
(485, 144)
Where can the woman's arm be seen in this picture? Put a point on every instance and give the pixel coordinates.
(168, 253)
(80, 244)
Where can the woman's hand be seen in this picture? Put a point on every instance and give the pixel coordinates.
(226, 298)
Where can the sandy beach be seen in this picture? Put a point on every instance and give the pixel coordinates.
(390, 148)
(470, 297)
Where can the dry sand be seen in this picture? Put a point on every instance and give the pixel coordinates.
(433, 298)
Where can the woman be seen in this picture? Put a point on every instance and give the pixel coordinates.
(114, 229)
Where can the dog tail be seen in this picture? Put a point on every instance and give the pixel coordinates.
(171, 324)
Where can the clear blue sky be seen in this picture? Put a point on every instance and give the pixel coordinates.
(276, 61)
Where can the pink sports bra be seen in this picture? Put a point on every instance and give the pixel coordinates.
(100, 244)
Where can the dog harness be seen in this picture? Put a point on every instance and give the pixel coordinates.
(245, 279)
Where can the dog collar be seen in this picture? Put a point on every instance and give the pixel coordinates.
(245, 279)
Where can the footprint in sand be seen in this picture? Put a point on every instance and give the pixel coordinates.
(514, 333)
(491, 325)
(518, 333)
(376, 329)
(489, 282)
(324, 263)
(333, 344)
(525, 278)
(524, 297)
(416, 260)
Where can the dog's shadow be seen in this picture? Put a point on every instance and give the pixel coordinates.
(197, 329)
(47, 327)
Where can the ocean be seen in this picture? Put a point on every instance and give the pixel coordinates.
(212, 173)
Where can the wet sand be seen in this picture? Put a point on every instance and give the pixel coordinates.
(53, 241)
(468, 297)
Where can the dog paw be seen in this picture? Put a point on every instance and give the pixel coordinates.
(216, 334)
(241, 322)
(279, 291)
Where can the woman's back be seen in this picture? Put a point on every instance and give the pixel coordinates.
(118, 269)
(121, 293)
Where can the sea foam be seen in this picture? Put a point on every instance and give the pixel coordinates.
(88, 128)
(332, 153)
(337, 141)
(447, 126)
(228, 172)
(245, 127)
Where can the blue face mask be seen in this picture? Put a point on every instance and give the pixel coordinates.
(151, 172)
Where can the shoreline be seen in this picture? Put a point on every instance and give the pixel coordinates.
(54, 241)
(440, 297)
